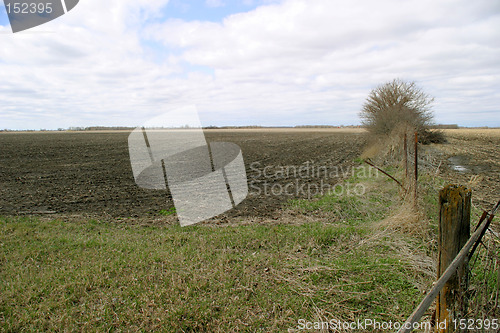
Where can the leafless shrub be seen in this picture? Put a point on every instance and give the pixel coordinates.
(398, 103)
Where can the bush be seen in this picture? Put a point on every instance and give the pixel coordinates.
(396, 104)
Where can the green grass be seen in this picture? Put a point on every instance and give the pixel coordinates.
(98, 276)
(167, 212)
(364, 198)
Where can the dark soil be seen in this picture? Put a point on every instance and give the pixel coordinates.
(89, 173)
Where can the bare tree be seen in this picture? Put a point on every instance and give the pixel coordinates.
(398, 103)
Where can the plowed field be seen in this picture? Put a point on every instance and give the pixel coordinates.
(89, 173)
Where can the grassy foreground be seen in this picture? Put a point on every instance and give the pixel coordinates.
(103, 276)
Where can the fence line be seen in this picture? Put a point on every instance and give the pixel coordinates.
(370, 163)
(407, 174)
(415, 185)
(465, 254)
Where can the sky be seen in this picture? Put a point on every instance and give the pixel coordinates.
(248, 62)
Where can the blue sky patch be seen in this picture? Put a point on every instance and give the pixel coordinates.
(4, 19)
(201, 10)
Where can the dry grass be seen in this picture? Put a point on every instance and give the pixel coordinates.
(406, 219)
(389, 149)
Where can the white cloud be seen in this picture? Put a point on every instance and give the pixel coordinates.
(294, 62)
(214, 3)
(330, 48)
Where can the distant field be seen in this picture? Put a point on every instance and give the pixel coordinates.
(89, 173)
(293, 130)
(491, 132)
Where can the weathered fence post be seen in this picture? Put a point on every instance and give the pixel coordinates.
(454, 231)
(416, 170)
(405, 148)
(455, 265)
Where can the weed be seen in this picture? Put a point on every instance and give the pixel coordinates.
(167, 212)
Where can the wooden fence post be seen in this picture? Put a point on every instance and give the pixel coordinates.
(416, 170)
(454, 231)
(405, 148)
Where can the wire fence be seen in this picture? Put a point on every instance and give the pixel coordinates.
(480, 303)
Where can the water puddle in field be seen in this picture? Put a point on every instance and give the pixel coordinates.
(459, 163)
(459, 168)
(463, 164)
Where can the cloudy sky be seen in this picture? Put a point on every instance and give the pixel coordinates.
(248, 62)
